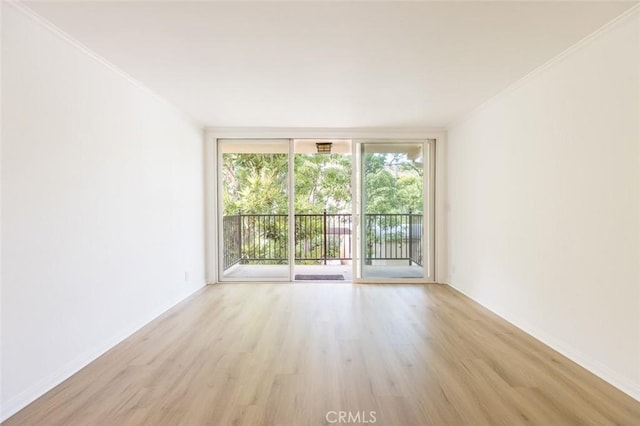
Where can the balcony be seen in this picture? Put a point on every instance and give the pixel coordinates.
(258, 244)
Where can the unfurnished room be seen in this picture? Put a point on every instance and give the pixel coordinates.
(402, 213)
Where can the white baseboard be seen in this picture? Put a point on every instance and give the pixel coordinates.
(596, 367)
(35, 391)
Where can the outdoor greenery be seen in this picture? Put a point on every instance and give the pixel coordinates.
(257, 184)
(392, 184)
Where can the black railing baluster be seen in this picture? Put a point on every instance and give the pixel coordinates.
(410, 237)
(263, 238)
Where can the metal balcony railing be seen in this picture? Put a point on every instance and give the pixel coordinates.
(263, 239)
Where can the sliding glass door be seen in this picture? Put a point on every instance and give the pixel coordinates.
(395, 210)
(254, 200)
(326, 210)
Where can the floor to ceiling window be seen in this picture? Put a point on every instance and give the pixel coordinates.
(395, 210)
(254, 200)
(325, 210)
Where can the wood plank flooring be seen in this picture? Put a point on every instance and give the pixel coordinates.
(299, 354)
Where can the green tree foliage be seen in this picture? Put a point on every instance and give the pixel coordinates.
(257, 184)
(392, 184)
(323, 182)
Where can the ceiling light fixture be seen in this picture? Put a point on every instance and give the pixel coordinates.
(323, 147)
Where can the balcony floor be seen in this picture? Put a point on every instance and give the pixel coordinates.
(281, 272)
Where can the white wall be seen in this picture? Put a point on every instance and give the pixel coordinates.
(544, 194)
(102, 208)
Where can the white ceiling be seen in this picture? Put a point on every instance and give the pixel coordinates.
(328, 64)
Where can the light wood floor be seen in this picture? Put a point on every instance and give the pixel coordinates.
(286, 354)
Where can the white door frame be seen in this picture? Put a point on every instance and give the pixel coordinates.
(212, 208)
(428, 188)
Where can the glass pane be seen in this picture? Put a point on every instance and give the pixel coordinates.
(323, 222)
(255, 204)
(392, 217)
